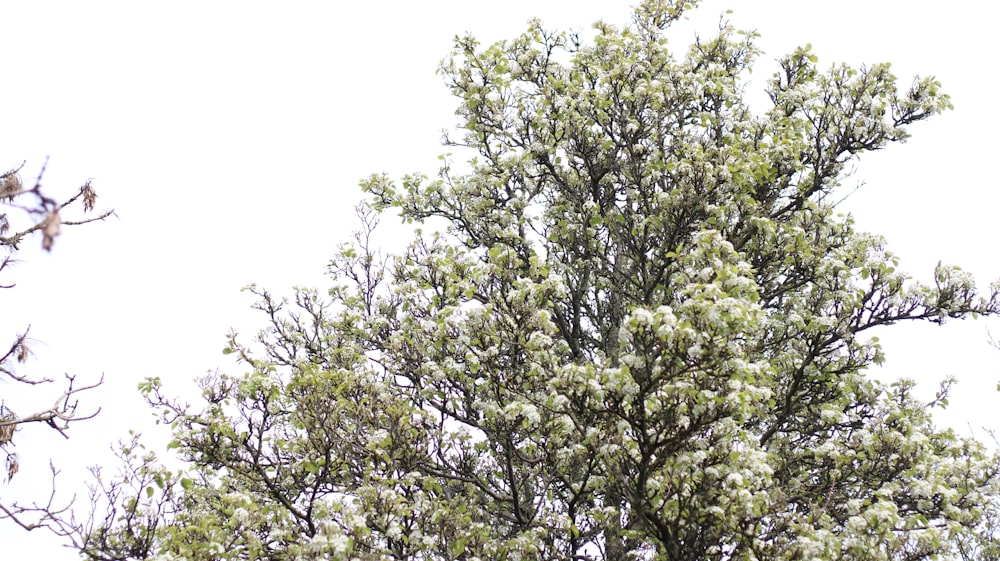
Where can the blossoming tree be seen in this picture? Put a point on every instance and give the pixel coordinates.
(641, 333)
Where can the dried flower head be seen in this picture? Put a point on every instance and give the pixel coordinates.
(10, 185)
(50, 229)
(89, 196)
(22, 352)
(7, 426)
(12, 466)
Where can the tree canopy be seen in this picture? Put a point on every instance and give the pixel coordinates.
(632, 326)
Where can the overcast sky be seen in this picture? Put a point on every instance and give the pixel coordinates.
(229, 137)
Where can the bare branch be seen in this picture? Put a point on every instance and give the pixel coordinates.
(46, 216)
(62, 412)
(42, 515)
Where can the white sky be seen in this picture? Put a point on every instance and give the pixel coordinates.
(229, 137)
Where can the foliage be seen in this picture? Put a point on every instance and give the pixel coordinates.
(44, 215)
(643, 334)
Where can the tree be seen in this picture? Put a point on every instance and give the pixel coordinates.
(44, 216)
(643, 333)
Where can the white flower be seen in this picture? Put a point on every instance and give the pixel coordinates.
(357, 521)
(241, 515)
(393, 532)
(339, 543)
(379, 437)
